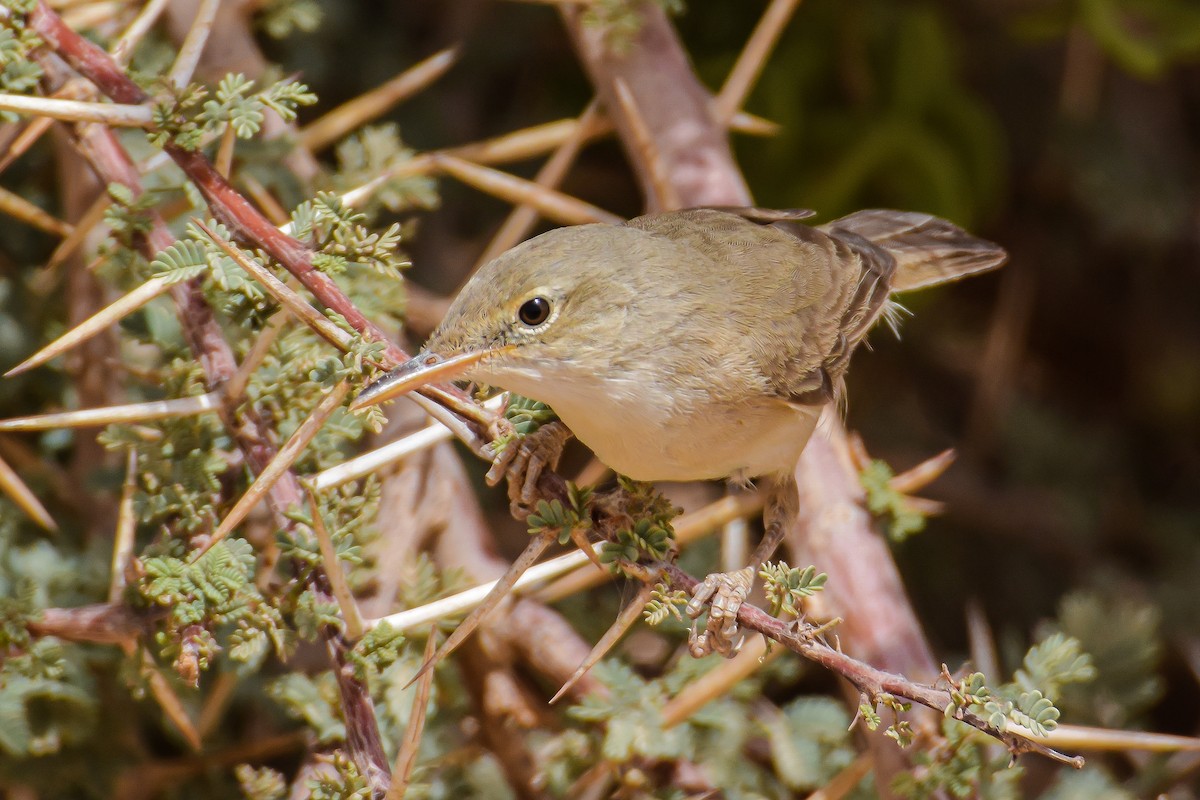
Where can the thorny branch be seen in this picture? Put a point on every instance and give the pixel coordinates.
(204, 336)
(234, 210)
(682, 158)
(228, 205)
(251, 434)
(868, 680)
(231, 208)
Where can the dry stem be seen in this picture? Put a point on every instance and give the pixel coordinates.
(868, 680)
(24, 498)
(205, 338)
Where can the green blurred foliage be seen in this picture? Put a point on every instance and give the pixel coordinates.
(875, 111)
(1065, 129)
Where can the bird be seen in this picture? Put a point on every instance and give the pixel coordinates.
(688, 345)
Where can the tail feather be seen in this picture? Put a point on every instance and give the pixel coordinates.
(928, 250)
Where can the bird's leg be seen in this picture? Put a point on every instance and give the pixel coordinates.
(727, 590)
(522, 461)
(724, 592)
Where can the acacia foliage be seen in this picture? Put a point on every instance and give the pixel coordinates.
(885, 104)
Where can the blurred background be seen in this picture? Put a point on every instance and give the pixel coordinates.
(1068, 382)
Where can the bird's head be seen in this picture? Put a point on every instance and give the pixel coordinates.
(546, 309)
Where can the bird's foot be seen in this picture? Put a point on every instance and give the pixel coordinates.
(727, 590)
(522, 461)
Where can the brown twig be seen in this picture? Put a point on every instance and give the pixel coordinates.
(357, 112)
(753, 58)
(556, 206)
(126, 528)
(334, 570)
(235, 211)
(24, 498)
(101, 623)
(206, 340)
(280, 464)
(868, 680)
(717, 681)
(537, 545)
(692, 152)
(522, 218)
(406, 755)
(193, 44)
(624, 621)
(845, 781)
(17, 207)
(168, 701)
(116, 415)
(145, 781)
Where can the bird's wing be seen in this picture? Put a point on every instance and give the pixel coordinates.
(804, 299)
(764, 215)
(928, 250)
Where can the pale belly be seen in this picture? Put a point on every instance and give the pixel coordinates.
(654, 437)
(724, 442)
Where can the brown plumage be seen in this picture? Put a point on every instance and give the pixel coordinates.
(692, 344)
(698, 343)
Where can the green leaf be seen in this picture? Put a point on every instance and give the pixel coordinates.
(527, 415)
(260, 783)
(1121, 635)
(900, 520)
(377, 650)
(1053, 662)
(1088, 784)
(281, 18)
(314, 700)
(632, 717)
(1035, 712)
(786, 586)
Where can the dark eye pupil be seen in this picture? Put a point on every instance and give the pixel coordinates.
(535, 311)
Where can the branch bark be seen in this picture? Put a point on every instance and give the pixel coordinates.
(100, 623)
(663, 115)
(682, 158)
(233, 209)
(206, 340)
(867, 680)
(252, 435)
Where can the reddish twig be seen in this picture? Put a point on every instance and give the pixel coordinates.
(207, 342)
(229, 206)
(233, 209)
(652, 94)
(101, 623)
(868, 680)
(252, 435)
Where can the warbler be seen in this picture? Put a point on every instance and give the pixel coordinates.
(694, 344)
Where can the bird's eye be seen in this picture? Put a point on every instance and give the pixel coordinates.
(534, 312)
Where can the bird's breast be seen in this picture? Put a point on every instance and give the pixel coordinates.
(655, 435)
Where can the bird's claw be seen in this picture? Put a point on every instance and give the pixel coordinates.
(727, 590)
(503, 447)
(523, 460)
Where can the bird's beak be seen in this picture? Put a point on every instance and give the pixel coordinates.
(421, 370)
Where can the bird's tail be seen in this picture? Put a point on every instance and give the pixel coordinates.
(928, 250)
